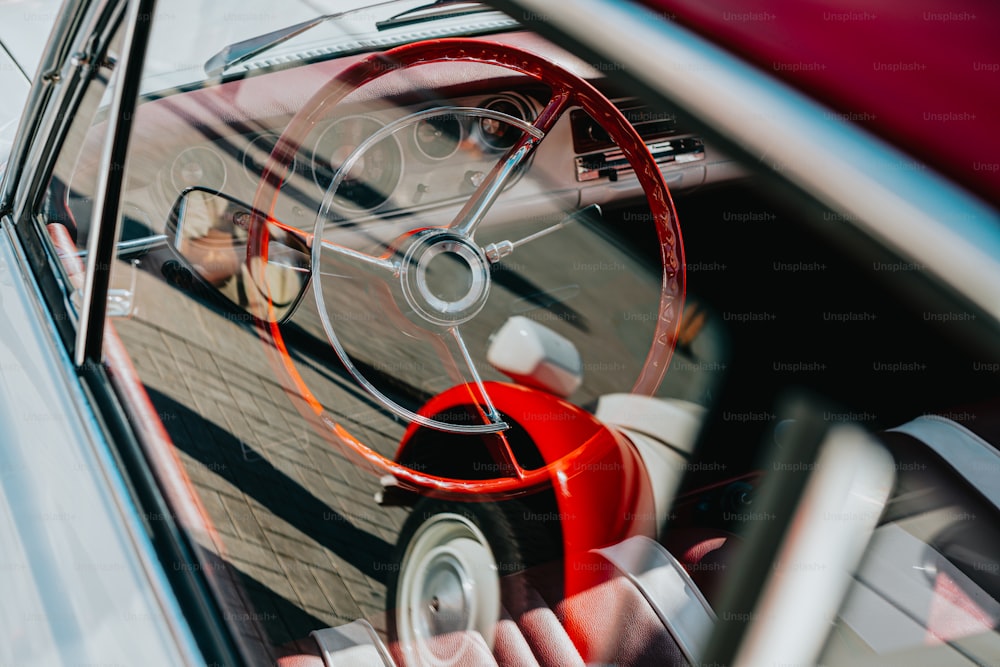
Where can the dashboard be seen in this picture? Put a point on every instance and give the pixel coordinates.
(410, 152)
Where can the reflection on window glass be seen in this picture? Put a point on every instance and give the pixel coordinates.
(364, 296)
(433, 340)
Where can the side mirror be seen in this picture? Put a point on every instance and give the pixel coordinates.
(210, 230)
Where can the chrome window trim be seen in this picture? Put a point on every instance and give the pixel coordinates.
(108, 200)
(923, 217)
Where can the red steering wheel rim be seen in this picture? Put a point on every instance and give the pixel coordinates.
(562, 83)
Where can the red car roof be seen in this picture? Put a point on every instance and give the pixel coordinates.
(924, 74)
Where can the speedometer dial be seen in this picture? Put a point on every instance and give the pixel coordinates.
(375, 172)
(256, 155)
(438, 137)
(497, 134)
(201, 166)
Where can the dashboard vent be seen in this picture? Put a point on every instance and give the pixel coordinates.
(599, 157)
(652, 124)
(612, 163)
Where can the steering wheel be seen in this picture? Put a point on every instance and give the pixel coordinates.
(405, 269)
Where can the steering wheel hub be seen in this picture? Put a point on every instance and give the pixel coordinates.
(446, 591)
(445, 278)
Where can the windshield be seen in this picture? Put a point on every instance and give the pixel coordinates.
(180, 47)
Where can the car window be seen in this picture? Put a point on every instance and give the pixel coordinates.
(434, 315)
(297, 382)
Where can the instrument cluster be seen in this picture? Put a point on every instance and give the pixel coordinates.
(409, 157)
(367, 162)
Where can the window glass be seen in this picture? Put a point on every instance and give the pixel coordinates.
(428, 327)
(442, 329)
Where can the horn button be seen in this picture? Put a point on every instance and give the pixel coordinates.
(445, 278)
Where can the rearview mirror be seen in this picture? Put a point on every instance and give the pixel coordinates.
(210, 230)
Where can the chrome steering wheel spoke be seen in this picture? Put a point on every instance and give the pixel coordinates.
(384, 265)
(490, 411)
(495, 252)
(487, 192)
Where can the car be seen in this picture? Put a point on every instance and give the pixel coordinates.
(410, 332)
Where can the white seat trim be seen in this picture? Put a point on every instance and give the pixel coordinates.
(968, 454)
(673, 422)
(668, 588)
(664, 431)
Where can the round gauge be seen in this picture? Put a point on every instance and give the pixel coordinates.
(374, 174)
(199, 166)
(438, 137)
(256, 154)
(495, 133)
